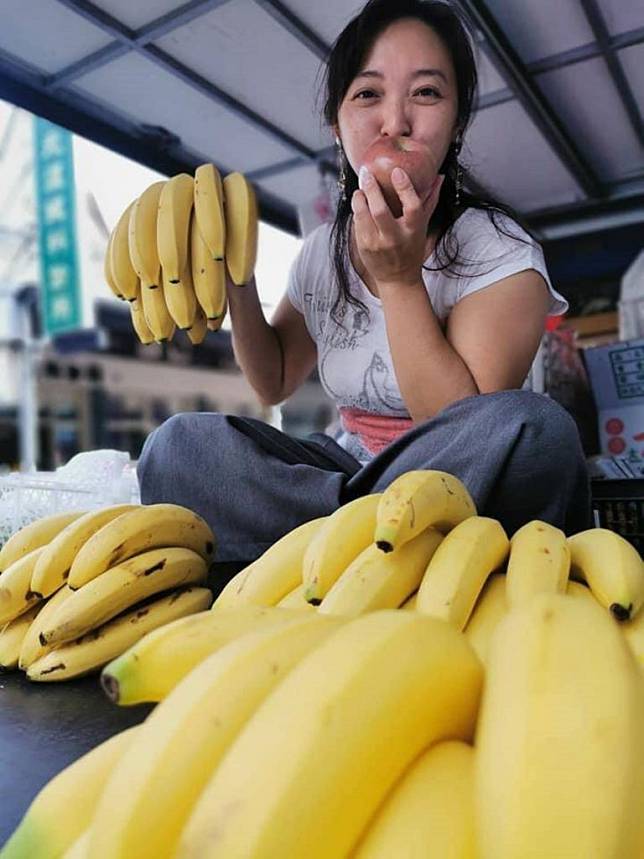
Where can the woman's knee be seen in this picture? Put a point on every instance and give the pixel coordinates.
(548, 450)
(545, 418)
(537, 413)
(178, 437)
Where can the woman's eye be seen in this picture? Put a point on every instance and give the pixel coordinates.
(428, 91)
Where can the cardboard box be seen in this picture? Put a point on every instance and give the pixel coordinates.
(616, 374)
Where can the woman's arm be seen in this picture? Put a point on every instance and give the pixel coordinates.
(492, 335)
(275, 358)
(491, 339)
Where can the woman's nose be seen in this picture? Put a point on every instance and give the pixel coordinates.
(395, 117)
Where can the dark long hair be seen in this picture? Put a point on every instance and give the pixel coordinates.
(345, 60)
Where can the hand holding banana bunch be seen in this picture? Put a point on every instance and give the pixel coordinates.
(78, 589)
(174, 248)
(398, 678)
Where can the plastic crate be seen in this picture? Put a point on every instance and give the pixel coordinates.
(90, 480)
(619, 506)
(24, 500)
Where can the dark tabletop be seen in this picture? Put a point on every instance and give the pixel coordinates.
(43, 728)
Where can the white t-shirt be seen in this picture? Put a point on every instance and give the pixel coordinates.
(354, 359)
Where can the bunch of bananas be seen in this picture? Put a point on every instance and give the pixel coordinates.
(170, 249)
(78, 589)
(498, 715)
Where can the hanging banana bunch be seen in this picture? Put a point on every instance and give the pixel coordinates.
(168, 254)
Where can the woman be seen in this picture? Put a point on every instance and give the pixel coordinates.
(423, 326)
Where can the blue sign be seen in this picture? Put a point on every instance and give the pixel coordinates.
(55, 200)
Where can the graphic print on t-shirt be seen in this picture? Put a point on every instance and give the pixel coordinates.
(342, 348)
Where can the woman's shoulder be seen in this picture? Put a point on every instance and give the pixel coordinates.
(315, 246)
(309, 270)
(484, 228)
(318, 237)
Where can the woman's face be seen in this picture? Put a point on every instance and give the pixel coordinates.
(394, 99)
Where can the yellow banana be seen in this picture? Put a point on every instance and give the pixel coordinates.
(346, 533)
(120, 588)
(121, 267)
(275, 573)
(34, 535)
(455, 576)
(430, 811)
(208, 274)
(490, 608)
(242, 227)
(141, 327)
(142, 236)
(579, 591)
(31, 648)
(389, 680)
(227, 596)
(209, 209)
(410, 604)
(560, 738)
(16, 595)
(181, 300)
(611, 567)
(198, 330)
(417, 500)
(634, 632)
(173, 225)
(539, 562)
(295, 599)
(107, 270)
(79, 848)
(64, 808)
(375, 580)
(150, 669)
(152, 791)
(215, 324)
(12, 635)
(150, 526)
(92, 651)
(156, 314)
(53, 566)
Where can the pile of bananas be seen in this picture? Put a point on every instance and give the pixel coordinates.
(77, 589)
(498, 715)
(170, 248)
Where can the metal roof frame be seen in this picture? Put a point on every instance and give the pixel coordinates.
(596, 21)
(49, 96)
(512, 69)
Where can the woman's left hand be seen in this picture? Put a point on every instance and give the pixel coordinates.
(393, 249)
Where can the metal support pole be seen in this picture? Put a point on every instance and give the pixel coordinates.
(27, 395)
(28, 410)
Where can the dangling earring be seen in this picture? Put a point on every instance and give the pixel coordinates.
(458, 143)
(342, 181)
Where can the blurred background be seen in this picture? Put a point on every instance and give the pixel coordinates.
(100, 99)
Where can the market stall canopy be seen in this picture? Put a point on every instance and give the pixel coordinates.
(558, 132)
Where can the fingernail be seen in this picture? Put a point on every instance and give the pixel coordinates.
(398, 174)
(364, 176)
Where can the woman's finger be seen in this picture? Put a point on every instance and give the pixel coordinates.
(411, 202)
(363, 222)
(378, 206)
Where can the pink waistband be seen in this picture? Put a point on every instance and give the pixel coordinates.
(375, 431)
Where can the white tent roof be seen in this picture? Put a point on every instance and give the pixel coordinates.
(558, 132)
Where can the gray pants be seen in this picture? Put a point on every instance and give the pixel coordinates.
(518, 453)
